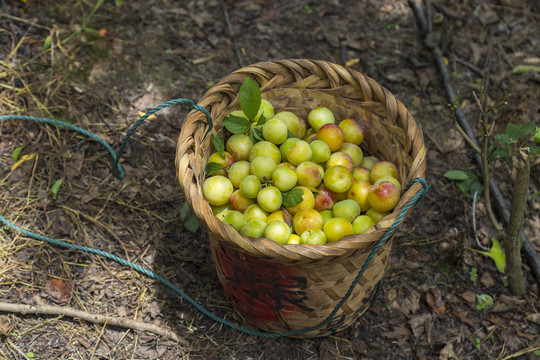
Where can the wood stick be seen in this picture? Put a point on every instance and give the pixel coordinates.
(93, 318)
(31, 23)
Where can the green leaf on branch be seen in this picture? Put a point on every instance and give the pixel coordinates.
(191, 224)
(535, 149)
(495, 152)
(250, 97)
(456, 175)
(218, 144)
(292, 197)
(211, 168)
(503, 139)
(514, 131)
(470, 186)
(184, 211)
(236, 124)
(467, 181)
(495, 253)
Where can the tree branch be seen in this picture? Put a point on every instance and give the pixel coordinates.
(93, 318)
(463, 133)
(519, 202)
(485, 167)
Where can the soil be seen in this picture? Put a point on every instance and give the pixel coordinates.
(98, 65)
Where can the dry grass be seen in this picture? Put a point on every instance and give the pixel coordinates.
(138, 217)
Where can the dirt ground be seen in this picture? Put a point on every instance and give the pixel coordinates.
(99, 65)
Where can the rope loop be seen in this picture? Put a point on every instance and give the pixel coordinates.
(117, 169)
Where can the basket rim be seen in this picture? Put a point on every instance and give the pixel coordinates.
(295, 71)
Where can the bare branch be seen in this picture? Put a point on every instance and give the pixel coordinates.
(93, 318)
(462, 132)
(487, 196)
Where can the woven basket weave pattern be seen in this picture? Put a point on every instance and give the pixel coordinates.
(391, 134)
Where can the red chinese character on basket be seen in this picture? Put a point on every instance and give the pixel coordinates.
(261, 291)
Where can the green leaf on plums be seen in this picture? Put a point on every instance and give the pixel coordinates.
(535, 149)
(290, 134)
(292, 197)
(257, 134)
(250, 97)
(262, 120)
(211, 168)
(219, 145)
(253, 138)
(236, 124)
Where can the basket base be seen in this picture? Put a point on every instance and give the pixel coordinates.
(277, 298)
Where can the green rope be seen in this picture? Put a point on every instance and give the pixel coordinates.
(117, 168)
(119, 172)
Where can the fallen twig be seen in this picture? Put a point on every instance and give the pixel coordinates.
(24, 21)
(93, 318)
(470, 66)
(528, 250)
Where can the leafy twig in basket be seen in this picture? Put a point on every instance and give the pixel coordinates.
(93, 318)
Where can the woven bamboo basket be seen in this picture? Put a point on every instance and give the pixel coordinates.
(281, 288)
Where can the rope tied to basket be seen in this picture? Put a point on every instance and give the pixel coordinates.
(118, 172)
(417, 197)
